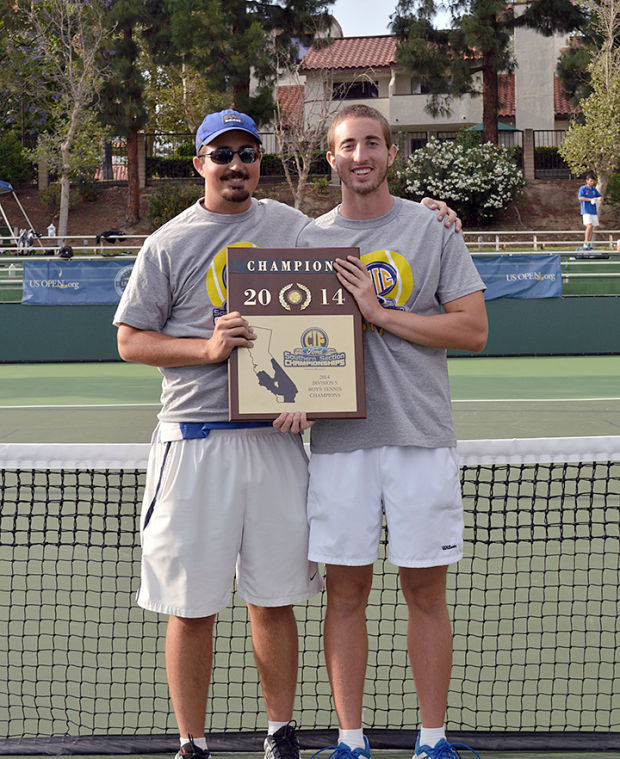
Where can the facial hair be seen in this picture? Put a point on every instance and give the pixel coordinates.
(234, 195)
(349, 181)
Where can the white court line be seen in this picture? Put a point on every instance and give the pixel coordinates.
(83, 405)
(530, 400)
(454, 400)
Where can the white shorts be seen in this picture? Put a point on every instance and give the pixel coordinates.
(418, 490)
(590, 218)
(233, 502)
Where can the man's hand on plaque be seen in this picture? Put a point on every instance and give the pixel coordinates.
(292, 421)
(352, 273)
(231, 331)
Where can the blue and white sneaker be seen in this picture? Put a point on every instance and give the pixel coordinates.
(442, 750)
(342, 751)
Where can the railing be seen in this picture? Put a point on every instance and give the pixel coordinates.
(478, 242)
(105, 244)
(570, 240)
(579, 275)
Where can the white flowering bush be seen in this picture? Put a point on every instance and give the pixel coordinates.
(476, 180)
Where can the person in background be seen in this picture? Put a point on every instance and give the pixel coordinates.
(587, 196)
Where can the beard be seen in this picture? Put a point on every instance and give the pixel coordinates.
(365, 188)
(235, 194)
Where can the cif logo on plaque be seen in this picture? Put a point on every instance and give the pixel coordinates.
(315, 340)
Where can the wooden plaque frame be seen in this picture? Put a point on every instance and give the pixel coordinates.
(308, 355)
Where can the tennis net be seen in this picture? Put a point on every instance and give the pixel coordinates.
(534, 604)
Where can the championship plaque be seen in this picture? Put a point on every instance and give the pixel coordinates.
(308, 352)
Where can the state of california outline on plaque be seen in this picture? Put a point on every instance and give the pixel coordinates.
(308, 352)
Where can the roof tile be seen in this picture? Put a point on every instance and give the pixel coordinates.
(352, 52)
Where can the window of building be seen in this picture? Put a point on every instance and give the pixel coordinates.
(417, 88)
(300, 46)
(355, 90)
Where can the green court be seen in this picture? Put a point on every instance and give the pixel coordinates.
(509, 587)
(492, 398)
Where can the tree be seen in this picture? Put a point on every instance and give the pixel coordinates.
(447, 61)
(67, 36)
(595, 143)
(302, 117)
(123, 107)
(25, 94)
(177, 97)
(237, 44)
(194, 47)
(574, 62)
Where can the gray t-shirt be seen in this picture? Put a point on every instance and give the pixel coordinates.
(416, 264)
(178, 287)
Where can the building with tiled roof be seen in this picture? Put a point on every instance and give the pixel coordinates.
(364, 69)
(349, 53)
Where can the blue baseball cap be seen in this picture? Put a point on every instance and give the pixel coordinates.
(215, 124)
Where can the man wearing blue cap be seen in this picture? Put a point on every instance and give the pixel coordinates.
(221, 498)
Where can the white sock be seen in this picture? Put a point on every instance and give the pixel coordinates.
(430, 736)
(274, 727)
(198, 742)
(353, 738)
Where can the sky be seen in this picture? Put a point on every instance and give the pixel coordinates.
(363, 17)
(360, 18)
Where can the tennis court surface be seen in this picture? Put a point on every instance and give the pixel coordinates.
(493, 398)
(534, 602)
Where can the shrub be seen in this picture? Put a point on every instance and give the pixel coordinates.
(477, 181)
(271, 164)
(396, 177)
(87, 186)
(50, 197)
(168, 200)
(612, 193)
(16, 168)
(169, 168)
(185, 150)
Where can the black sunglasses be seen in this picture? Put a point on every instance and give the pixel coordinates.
(226, 155)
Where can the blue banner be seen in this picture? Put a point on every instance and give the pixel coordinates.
(74, 283)
(520, 276)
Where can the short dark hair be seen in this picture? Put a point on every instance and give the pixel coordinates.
(358, 111)
(590, 175)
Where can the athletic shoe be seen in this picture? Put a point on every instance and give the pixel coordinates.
(283, 744)
(342, 751)
(442, 750)
(190, 750)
